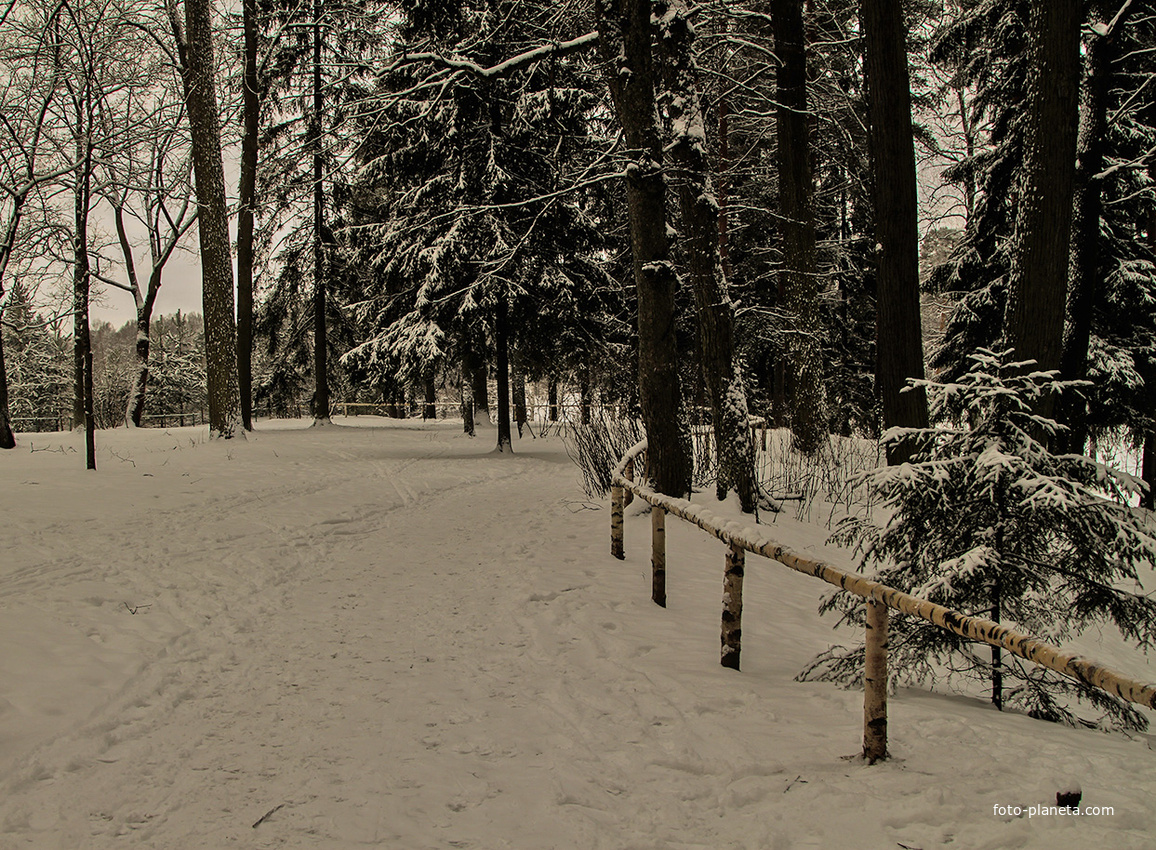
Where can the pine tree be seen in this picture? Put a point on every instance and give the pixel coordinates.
(986, 520)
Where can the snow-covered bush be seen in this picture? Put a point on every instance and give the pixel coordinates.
(986, 520)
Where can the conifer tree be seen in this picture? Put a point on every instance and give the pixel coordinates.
(985, 519)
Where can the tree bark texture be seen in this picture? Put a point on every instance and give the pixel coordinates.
(246, 211)
(732, 614)
(625, 31)
(196, 49)
(701, 237)
(658, 556)
(1037, 289)
(799, 279)
(899, 334)
(875, 683)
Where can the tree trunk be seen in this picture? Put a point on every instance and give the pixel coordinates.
(1037, 287)
(7, 438)
(251, 116)
(502, 367)
(1087, 205)
(430, 410)
(519, 391)
(196, 55)
(899, 343)
(81, 284)
(799, 280)
(701, 236)
(468, 372)
(625, 30)
(136, 399)
(320, 339)
(552, 397)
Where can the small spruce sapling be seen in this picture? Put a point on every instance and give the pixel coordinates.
(986, 520)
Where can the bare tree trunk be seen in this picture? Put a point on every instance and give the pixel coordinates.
(502, 367)
(251, 116)
(1037, 286)
(196, 55)
(7, 438)
(799, 284)
(625, 31)
(701, 233)
(519, 391)
(81, 283)
(430, 410)
(552, 397)
(899, 341)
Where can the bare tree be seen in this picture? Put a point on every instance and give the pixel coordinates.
(147, 184)
(30, 76)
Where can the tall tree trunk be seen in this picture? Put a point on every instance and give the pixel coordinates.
(1037, 287)
(552, 397)
(701, 235)
(799, 278)
(899, 341)
(502, 368)
(625, 30)
(430, 410)
(7, 438)
(320, 340)
(480, 378)
(251, 117)
(1087, 206)
(196, 54)
(81, 283)
(519, 391)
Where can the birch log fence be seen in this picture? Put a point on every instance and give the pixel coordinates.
(879, 598)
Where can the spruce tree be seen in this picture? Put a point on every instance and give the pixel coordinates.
(985, 519)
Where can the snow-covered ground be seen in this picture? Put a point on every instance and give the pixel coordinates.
(381, 635)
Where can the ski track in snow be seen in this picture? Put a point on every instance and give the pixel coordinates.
(355, 637)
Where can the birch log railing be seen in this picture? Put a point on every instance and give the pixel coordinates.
(879, 598)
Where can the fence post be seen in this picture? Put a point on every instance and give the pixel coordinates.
(732, 615)
(875, 684)
(616, 507)
(658, 555)
(628, 474)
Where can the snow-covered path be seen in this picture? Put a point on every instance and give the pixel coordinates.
(383, 637)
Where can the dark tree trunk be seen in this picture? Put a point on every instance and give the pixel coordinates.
(89, 413)
(196, 53)
(552, 397)
(625, 31)
(430, 410)
(899, 342)
(481, 391)
(81, 283)
(701, 236)
(1087, 206)
(584, 395)
(136, 402)
(320, 339)
(251, 116)
(519, 391)
(7, 438)
(799, 283)
(502, 368)
(1037, 288)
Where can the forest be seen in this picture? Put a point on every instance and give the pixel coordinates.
(788, 209)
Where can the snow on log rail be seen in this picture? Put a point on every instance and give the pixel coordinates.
(879, 598)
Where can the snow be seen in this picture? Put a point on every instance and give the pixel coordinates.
(380, 634)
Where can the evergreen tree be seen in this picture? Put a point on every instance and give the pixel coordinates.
(986, 520)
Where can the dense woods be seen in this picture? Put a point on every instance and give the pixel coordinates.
(674, 213)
